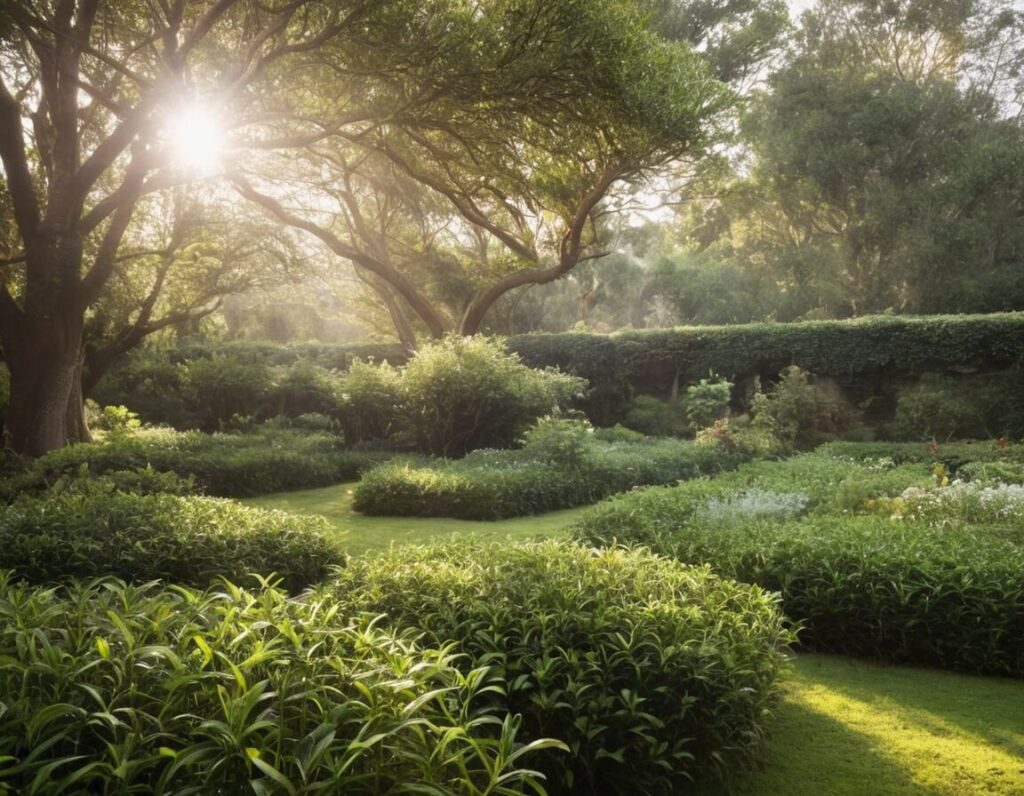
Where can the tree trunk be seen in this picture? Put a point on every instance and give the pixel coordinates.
(45, 366)
(76, 427)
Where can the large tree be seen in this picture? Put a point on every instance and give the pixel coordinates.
(542, 111)
(88, 91)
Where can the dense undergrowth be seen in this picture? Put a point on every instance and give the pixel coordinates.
(871, 557)
(91, 528)
(111, 688)
(561, 465)
(256, 462)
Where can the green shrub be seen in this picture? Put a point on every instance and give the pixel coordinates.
(560, 442)
(651, 672)
(109, 688)
(654, 417)
(558, 474)
(229, 465)
(117, 422)
(618, 433)
(95, 531)
(943, 407)
(466, 393)
(305, 388)
(222, 388)
(915, 591)
(371, 400)
(707, 401)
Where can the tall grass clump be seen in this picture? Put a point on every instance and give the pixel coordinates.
(113, 688)
(652, 672)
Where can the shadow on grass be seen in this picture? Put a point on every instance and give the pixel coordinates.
(812, 754)
(990, 709)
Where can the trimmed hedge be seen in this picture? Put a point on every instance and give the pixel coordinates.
(946, 592)
(864, 354)
(652, 672)
(190, 540)
(491, 484)
(109, 688)
(227, 465)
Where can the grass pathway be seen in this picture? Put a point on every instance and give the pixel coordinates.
(844, 726)
(363, 534)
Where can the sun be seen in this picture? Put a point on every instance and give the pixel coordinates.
(196, 138)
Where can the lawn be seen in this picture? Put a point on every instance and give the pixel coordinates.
(363, 534)
(844, 726)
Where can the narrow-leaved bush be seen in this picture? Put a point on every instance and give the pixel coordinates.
(652, 672)
(113, 688)
(183, 540)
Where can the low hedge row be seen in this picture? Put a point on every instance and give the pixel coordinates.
(110, 688)
(653, 673)
(940, 591)
(489, 484)
(92, 530)
(227, 465)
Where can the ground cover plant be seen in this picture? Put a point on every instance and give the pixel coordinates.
(110, 688)
(561, 464)
(651, 672)
(91, 528)
(263, 460)
(861, 556)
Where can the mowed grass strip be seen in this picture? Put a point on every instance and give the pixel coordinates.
(850, 727)
(362, 534)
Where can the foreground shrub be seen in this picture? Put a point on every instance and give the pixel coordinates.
(928, 591)
(652, 672)
(230, 465)
(561, 466)
(192, 540)
(109, 688)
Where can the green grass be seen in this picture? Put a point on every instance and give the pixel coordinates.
(844, 726)
(363, 534)
(850, 727)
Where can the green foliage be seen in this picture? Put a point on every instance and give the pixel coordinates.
(91, 529)
(225, 388)
(859, 354)
(466, 393)
(943, 407)
(559, 442)
(306, 388)
(229, 465)
(140, 689)
(371, 400)
(654, 417)
(707, 401)
(800, 413)
(593, 357)
(564, 467)
(118, 422)
(909, 590)
(651, 672)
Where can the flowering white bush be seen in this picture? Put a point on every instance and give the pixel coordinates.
(750, 504)
(964, 502)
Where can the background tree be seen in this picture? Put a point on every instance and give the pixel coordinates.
(87, 90)
(543, 111)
